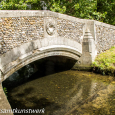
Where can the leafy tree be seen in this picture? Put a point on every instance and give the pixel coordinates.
(108, 7)
(13, 5)
(101, 10)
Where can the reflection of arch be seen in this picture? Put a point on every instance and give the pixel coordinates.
(54, 50)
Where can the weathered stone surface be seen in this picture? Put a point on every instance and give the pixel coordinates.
(24, 26)
(70, 29)
(16, 31)
(12, 64)
(105, 36)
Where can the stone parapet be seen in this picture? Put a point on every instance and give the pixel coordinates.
(19, 27)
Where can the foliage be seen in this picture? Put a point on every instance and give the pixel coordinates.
(105, 62)
(12, 5)
(107, 6)
(101, 10)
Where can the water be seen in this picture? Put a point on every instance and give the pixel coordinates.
(66, 93)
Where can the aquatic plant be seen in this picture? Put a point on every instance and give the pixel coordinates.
(5, 90)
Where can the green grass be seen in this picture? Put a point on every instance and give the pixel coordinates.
(105, 62)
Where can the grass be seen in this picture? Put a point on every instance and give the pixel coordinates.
(105, 62)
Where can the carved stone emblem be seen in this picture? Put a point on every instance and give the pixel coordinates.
(50, 28)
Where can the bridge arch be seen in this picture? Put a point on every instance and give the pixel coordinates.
(27, 36)
(32, 51)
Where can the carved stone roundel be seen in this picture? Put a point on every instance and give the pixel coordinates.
(50, 28)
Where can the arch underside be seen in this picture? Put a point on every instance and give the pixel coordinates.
(54, 50)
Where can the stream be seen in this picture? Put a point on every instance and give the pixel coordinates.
(67, 92)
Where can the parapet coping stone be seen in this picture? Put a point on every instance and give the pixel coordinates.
(104, 24)
(47, 13)
(42, 13)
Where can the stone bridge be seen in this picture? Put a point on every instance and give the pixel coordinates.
(26, 36)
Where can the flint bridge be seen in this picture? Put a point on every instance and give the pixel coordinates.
(27, 36)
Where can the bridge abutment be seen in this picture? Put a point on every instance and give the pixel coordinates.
(88, 45)
(89, 51)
